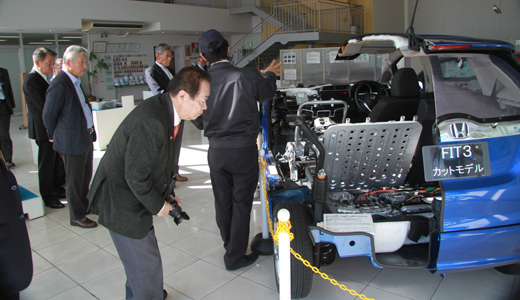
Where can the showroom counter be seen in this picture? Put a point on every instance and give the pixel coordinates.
(106, 121)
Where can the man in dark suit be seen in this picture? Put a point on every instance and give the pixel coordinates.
(35, 87)
(136, 175)
(6, 110)
(67, 116)
(157, 77)
(16, 267)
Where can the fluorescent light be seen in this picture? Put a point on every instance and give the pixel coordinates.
(8, 37)
(40, 43)
(72, 37)
(3, 40)
(58, 40)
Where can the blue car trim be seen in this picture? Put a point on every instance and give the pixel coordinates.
(479, 249)
(490, 201)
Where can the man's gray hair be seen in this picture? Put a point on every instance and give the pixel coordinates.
(161, 47)
(73, 51)
(42, 52)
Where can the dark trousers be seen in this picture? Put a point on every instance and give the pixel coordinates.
(143, 266)
(6, 144)
(79, 173)
(234, 177)
(50, 176)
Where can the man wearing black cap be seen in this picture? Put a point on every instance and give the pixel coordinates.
(232, 123)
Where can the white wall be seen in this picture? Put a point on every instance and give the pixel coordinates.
(146, 46)
(473, 18)
(388, 16)
(63, 16)
(66, 15)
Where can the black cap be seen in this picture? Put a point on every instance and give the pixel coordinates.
(208, 37)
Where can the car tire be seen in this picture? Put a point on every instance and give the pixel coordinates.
(513, 269)
(301, 276)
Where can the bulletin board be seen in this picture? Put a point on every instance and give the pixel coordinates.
(130, 64)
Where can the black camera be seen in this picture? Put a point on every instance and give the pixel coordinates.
(177, 213)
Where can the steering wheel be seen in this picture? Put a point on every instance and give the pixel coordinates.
(367, 94)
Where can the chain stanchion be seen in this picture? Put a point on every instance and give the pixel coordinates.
(286, 227)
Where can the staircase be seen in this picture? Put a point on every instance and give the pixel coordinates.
(283, 23)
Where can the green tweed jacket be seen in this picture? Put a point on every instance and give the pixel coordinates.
(132, 179)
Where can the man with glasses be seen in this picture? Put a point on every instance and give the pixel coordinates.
(158, 76)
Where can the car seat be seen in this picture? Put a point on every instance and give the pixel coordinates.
(404, 99)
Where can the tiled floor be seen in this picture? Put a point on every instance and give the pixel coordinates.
(75, 263)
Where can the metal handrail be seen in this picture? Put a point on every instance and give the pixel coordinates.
(298, 18)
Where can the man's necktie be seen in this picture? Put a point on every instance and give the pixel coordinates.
(175, 131)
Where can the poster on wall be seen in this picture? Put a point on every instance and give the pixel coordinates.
(289, 58)
(130, 65)
(100, 47)
(109, 79)
(362, 58)
(289, 74)
(313, 57)
(187, 50)
(194, 48)
(122, 47)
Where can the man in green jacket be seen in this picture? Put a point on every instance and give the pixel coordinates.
(136, 174)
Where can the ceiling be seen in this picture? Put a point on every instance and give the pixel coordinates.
(31, 39)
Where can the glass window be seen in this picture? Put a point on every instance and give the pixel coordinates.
(477, 85)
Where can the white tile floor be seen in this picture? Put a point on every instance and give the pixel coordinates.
(76, 263)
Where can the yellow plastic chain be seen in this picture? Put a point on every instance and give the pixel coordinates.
(286, 227)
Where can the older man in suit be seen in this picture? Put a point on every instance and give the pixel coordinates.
(67, 116)
(35, 88)
(136, 175)
(157, 77)
(7, 106)
(16, 267)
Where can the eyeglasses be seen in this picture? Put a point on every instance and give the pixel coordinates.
(170, 56)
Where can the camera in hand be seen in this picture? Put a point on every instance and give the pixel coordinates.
(177, 213)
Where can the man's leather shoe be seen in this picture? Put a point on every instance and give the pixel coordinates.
(55, 204)
(165, 293)
(85, 223)
(246, 260)
(11, 164)
(181, 178)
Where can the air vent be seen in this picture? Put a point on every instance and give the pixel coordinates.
(107, 25)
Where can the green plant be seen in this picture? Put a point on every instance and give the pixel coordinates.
(100, 64)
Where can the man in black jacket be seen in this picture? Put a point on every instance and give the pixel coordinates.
(35, 87)
(16, 266)
(7, 106)
(157, 77)
(136, 174)
(232, 124)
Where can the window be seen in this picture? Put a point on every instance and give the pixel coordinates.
(477, 85)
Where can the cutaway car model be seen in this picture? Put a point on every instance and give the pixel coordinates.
(419, 169)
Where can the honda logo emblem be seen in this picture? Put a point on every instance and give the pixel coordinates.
(459, 130)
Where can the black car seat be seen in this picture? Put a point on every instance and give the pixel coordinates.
(426, 116)
(403, 101)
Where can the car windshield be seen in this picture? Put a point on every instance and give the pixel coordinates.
(479, 85)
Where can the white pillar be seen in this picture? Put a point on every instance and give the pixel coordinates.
(284, 257)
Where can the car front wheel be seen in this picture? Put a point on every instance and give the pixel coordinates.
(301, 276)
